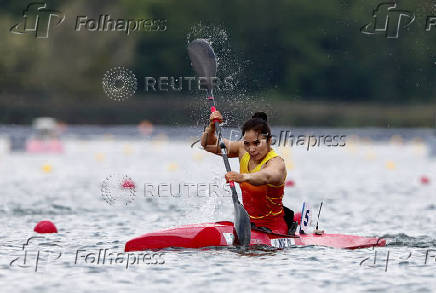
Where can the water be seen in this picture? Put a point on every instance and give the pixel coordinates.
(369, 188)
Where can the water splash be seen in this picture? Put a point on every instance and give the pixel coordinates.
(234, 102)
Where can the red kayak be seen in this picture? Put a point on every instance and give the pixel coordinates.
(223, 234)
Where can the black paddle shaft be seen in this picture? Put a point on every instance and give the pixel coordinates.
(203, 61)
(226, 160)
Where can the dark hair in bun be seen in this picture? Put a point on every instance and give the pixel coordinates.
(261, 115)
(258, 123)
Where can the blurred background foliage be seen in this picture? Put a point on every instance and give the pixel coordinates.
(307, 62)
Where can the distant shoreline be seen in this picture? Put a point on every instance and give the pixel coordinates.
(167, 110)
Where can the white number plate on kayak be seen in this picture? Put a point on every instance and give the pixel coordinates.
(282, 242)
(229, 238)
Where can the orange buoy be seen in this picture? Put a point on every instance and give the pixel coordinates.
(145, 127)
(45, 227)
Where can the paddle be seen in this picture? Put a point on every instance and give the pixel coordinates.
(203, 61)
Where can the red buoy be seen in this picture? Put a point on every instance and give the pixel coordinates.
(290, 183)
(425, 180)
(128, 184)
(45, 227)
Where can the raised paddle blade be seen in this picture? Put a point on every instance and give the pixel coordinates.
(242, 224)
(203, 61)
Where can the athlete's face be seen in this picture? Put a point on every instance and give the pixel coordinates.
(256, 144)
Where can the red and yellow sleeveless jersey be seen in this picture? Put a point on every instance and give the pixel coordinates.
(263, 202)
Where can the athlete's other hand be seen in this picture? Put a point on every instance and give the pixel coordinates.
(235, 176)
(215, 115)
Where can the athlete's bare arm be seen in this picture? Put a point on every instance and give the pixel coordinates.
(209, 140)
(273, 173)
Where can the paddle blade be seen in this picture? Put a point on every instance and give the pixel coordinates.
(242, 225)
(203, 61)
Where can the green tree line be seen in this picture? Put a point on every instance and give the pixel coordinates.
(288, 50)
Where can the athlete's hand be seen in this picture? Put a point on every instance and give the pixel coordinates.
(235, 176)
(215, 115)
